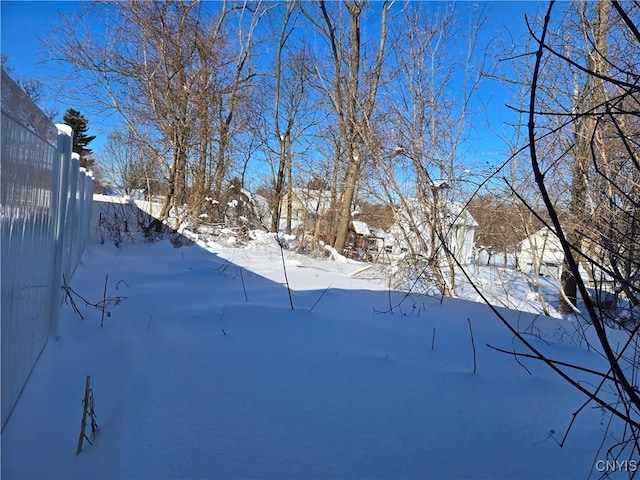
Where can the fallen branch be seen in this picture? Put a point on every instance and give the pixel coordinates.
(68, 296)
(104, 305)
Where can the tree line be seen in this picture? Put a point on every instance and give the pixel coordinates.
(377, 99)
(305, 87)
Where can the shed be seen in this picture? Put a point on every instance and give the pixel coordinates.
(541, 253)
(359, 232)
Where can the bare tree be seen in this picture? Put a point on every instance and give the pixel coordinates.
(352, 88)
(588, 97)
(228, 105)
(128, 167)
(209, 40)
(142, 68)
(291, 107)
(170, 72)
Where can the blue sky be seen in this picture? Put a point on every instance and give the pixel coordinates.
(25, 25)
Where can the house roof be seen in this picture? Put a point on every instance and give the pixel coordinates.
(360, 228)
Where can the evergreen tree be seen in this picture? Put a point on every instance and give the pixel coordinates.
(81, 140)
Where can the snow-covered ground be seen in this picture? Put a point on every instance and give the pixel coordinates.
(205, 371)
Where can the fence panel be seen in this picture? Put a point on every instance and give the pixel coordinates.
(40, 239)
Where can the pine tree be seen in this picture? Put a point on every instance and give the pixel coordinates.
(81, 140)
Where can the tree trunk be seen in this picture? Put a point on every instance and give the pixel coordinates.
(353, 130)
(344, 213)
(590, 99)
(289, 191)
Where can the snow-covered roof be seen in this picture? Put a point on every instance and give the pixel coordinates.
(361, 228)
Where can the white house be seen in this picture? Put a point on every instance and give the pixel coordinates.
(306, 205)
(459, 228)
(541, 253)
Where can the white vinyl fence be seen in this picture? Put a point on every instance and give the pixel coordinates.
(45, 208)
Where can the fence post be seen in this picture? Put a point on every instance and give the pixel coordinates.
(71, 220)
(60, 193)
(85, 201)
(87, 228)
(79, 238)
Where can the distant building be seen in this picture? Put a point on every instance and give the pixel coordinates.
(541, 253)
(411, 230)
(359, 237)
(309, 209)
